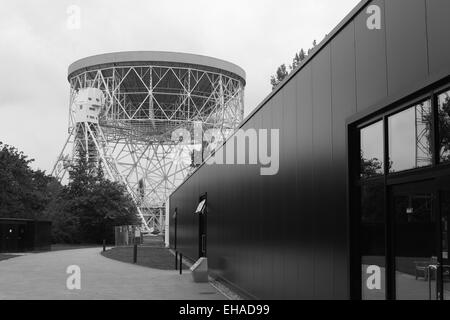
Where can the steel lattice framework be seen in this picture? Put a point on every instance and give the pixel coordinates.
(147, 96)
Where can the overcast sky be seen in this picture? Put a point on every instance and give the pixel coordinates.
(36, 47)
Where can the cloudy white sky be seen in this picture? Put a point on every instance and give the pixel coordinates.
(36, 48)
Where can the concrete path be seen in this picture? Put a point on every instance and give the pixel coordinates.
(43, 276)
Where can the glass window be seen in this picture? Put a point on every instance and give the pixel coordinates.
(372, 150)
(444, 126)
(410, 138)
(372, 240)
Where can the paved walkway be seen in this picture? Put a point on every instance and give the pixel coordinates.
(43, 276)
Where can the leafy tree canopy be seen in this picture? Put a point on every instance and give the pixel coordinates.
(297, 61)
(24, 192)
(90, 206)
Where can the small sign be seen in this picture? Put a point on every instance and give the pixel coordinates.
(137, 233)
(410, 210)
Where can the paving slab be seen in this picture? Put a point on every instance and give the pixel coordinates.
(43, 276)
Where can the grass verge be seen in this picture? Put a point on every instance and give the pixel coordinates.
(60, 247)
(152, 257)
(4, 256)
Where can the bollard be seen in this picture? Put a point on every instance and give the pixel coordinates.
(104, 245)
(135, 253)
(176, 260)
(181, 263)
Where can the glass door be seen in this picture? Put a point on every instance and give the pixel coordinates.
(444, 208)
(415, 240)
(11, 238)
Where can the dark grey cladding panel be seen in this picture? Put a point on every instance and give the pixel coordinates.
(186, 238)
(323, 213)
(343, 59)
(370, 46)
(257, 218)
(344, 105)
(438, 13)
(304, 213)
(268, 210)
(277, 190)
(288, 178)
(406, 39)
(191, 236)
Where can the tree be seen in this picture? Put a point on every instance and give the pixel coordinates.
(370, 167)
(311, 50)
(86, 210)
(81, 173)
(444, 128)
(281, 74)
(108, 205)
(302, 55)
(24, 193)
(65, 224)
(90, 206)
(297, 60)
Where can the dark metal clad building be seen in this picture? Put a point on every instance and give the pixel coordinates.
(21, 235)
(360, 205)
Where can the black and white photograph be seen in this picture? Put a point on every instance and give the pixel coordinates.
(221, 157)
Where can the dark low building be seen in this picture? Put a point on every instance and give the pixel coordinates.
(22, 235)
(360, 206)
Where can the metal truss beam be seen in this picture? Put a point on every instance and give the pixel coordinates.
(144, 104)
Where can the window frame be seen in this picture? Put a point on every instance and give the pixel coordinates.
(201, 206)
(432, 96)
(432, 129)
(437, 152)
(355, 180)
